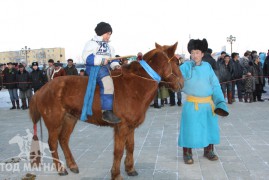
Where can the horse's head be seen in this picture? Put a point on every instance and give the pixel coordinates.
(163, 61)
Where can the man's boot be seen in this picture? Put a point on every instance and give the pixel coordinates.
(110, 117)
(18, 104)
(230, 98)
(187, 155)
(246, 97)
(165, 101)
(179, 102)
(250, 98)
(24, 106)
(29, 99)
(13, 105)
(162, 102)
(209, 153)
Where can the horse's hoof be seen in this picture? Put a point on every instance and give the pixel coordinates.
(119, 177)
(74, 170)
(63, 173)
(133, 173)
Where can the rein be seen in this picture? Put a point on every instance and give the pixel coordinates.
(150, 79)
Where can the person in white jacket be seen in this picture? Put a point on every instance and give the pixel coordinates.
(96, 52)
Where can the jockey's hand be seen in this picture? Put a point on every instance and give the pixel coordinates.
(118, 67)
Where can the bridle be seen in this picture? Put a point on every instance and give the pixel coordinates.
(164, 82)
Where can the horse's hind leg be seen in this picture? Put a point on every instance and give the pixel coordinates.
(129, 160)
(67, 128)
(53, 144)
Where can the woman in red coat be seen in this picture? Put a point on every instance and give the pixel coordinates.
(57, 71)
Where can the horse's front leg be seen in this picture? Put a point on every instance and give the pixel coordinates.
(119, 142)
(129, 160)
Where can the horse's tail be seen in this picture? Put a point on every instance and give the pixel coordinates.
(35, 155)
(33, 110)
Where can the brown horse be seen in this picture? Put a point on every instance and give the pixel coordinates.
(60, 103)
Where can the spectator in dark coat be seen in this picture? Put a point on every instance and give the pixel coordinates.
(266, 67)
(208, 58)
(38, 77)
(10, 74)
(258, 75)
(1, 76)
(237, 76)
(24, 85)
(225, 77)
(70, 69)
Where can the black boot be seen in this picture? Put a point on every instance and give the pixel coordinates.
(24, 106)
(246, 97)
(187, 155)
(13, 105)
(179, 102)
(29, 99)
(250, 98)
(18, 104)
(162, 103)
(209, 153)
(110, 117)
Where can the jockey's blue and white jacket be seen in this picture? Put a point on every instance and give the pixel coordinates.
(94, 54)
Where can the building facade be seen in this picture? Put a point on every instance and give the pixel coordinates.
(40, 55)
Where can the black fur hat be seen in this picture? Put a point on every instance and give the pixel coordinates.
(34, 63)
(102, 28)
(197, 44)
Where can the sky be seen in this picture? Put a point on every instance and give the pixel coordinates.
(136, 25)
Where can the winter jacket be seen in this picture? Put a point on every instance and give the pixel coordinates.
(71, 70)
(238, 69)
(23, 80)
(49, 71)
(94, 53)
(226, 71)
(266, 67)
(38, 78)
(10, 78)
(245, 64)
(257, 72)
(208, 58)
(57, 73)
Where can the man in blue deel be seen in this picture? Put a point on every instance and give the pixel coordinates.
(199, 123)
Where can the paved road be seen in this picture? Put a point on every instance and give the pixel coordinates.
(243, 150)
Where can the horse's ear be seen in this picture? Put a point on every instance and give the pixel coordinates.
(174, 47)
(158, 46)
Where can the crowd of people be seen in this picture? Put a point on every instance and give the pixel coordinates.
(245, 76)
(21, 80)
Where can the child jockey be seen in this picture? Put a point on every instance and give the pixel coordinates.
(96, 53)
